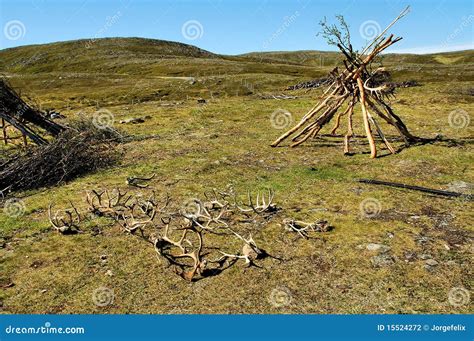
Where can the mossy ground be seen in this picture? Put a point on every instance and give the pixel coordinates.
(193, 147)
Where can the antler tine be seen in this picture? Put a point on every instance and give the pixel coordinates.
(264, 202)
(76, 211)
(52, 220)
(108, 198)
(67, 223)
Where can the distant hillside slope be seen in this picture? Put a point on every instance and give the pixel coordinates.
(96, 55)
(151, 57)
(324, 58)
(135, 56)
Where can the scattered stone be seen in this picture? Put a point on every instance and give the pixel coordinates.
(378, 247)
(382, 260)
(431, 262)
(109, 273)
(51, 114)
(425, 256)
(43, 291)
(390, 235)
(422, 239)
(410, 256)
(460, 186)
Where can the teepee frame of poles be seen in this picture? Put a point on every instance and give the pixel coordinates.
(354, 86)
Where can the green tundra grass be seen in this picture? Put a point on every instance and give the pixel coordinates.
(194, 147)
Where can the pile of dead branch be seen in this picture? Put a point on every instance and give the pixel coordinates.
(76, 151)
(312, 84)
(404, 84)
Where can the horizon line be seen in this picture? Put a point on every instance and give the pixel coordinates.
(421, 50)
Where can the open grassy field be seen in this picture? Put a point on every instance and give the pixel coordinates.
(425, 246)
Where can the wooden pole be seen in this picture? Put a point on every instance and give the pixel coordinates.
(365, 116)
(305, 119)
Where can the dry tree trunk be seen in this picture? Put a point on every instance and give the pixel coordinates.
(365, 116)
(338, 117)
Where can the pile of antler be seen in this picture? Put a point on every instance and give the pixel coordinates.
(179, 235)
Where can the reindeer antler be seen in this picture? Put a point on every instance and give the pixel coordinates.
(195, 255)
(264, 202)
(68, 223)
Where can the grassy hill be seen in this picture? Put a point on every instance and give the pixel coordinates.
(158, 57)
(146, 69)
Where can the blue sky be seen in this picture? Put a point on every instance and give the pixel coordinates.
(233, 27)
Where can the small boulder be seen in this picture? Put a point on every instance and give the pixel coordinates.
(383, 260)
(377, 247)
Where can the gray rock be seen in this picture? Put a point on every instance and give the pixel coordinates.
(410, 256)
(382, 260)
(431, 262)
(377, 247)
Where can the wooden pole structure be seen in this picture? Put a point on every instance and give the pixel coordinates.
(356, 82)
